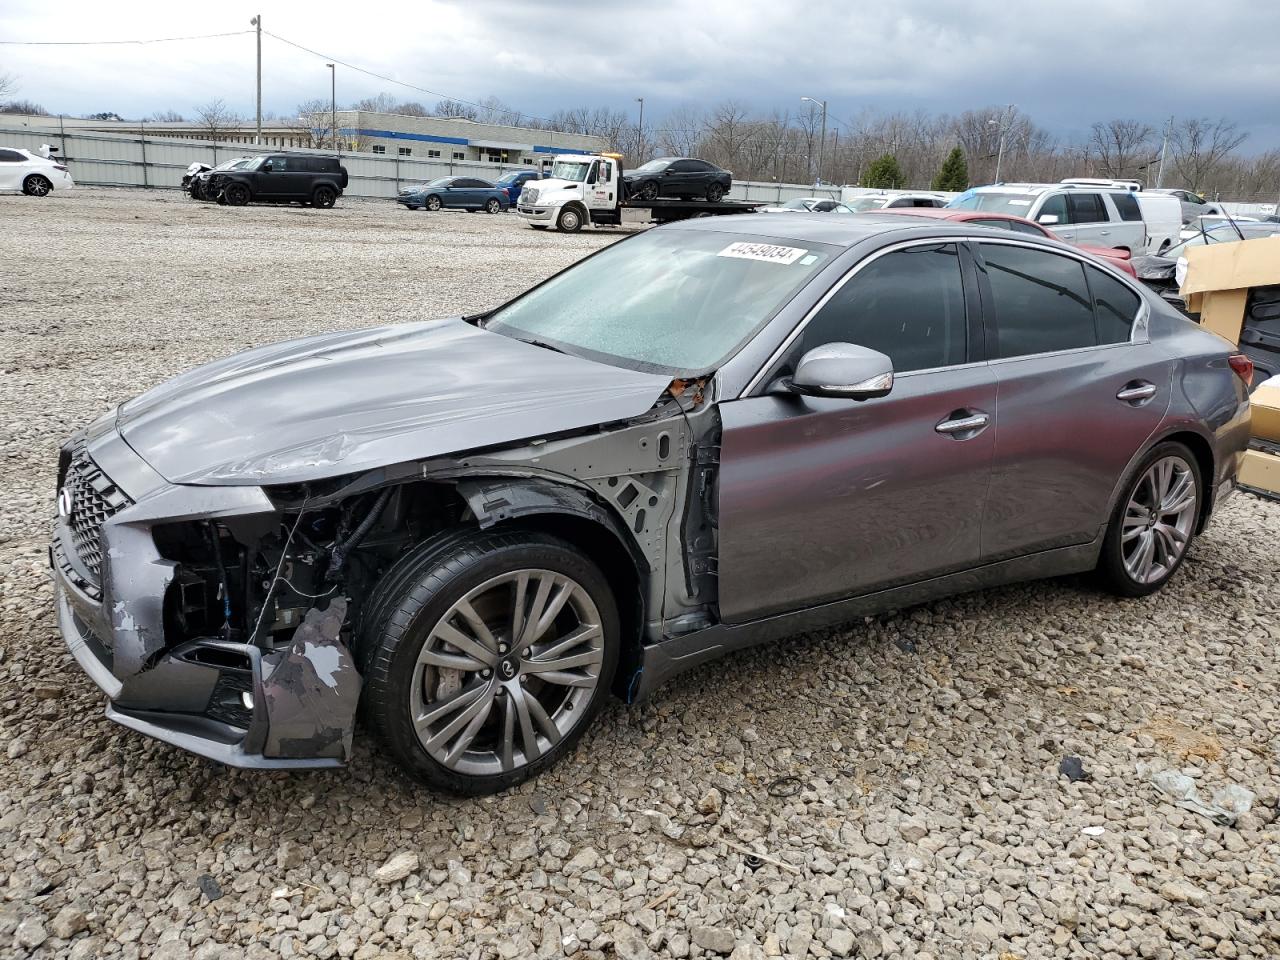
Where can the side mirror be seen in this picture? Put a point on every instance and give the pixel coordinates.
(1047, 218)
(266, 168)
(843, 370)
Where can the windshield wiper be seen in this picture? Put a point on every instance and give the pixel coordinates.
(544, 345)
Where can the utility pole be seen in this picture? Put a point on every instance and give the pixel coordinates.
(640, 133)
(1004, 122)
(257, 22)
(1164, 148)
(333, 108)
(823, 141)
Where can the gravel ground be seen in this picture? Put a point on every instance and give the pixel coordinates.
(927, 815)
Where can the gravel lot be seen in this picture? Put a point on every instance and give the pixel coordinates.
(928, 815)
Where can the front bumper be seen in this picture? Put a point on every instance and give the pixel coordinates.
(242, 704)
(536, 214)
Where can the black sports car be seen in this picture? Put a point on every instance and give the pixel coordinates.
(677, 177)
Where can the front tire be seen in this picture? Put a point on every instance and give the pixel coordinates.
(36, 186)
(486, 657)
(1153, 523)
(569, 221)
(434, 204)
(236, 194)
(649, 191)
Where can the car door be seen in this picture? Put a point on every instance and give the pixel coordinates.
(823, 498)
(1081, 391)
(1090, 218)
(1127, 228)
(13, 165)
(678, 179)
(1054, 216)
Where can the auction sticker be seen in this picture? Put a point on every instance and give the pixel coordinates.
(768, 252)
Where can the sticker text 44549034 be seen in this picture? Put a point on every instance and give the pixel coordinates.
(768, 252)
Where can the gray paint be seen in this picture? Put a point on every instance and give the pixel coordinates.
(762, 514)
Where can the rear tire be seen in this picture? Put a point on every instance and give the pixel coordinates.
(492, 206)
(324, 197)
(36, 186)
(236, 194)
(442, 629)
(715, 193)
(1153, 523)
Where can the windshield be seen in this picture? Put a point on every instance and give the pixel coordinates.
(675, 301)
(233, 164)
(1018, 204)
(575, 170)
(509, 178)
(653, 166)
(866, 203)
(1223, 234)
(798, 204)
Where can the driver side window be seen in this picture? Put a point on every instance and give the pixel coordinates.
(908, 304)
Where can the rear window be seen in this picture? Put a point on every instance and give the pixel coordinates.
(1127, 205)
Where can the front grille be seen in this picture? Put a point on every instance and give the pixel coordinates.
(94, 498)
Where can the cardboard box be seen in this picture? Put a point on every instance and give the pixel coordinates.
(1260, 470)
(1266, 410)
(1219, 276)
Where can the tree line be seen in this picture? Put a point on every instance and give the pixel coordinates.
(916, 150)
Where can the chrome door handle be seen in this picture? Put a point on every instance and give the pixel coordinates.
(1139, 391)
(963, 424)
(1105, 233)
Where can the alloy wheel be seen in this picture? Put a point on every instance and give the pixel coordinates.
(1159, 520)
(38, 186)
(507, 672)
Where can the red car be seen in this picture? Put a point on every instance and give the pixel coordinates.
(1112, 255)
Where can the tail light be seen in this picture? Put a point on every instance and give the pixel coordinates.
(1243, 367)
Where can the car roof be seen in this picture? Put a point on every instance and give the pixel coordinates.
(824, 228)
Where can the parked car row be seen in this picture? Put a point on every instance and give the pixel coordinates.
(313, 180)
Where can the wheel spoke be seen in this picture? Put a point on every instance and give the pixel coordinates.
(586, 658)
(1144, 556)
(536, 609)
(454, 637)
(435, 711)
(540, 717)
(528, 738)
(450, 661)
(508, 734)
(1182, 496)
(563, 592)
(469, 733)
(517, 607)
(442, 736)
(477, 625)
(563, 679)
(574, 638)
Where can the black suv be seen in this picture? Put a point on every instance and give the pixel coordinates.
(281, 178)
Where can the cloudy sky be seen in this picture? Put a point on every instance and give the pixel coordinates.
(1064, 63)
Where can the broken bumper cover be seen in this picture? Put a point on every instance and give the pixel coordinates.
(288, 707)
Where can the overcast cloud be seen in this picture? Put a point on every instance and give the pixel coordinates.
(1063, 63)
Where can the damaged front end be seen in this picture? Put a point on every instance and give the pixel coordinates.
(215, 619)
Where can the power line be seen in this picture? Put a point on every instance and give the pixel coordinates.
(110, 43)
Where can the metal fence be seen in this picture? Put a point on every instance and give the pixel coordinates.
(121, 160)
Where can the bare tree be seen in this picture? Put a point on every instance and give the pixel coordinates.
(455, 109)
(8, 84)
(1122, 146)
(679, 134)
(216, 120)
(382, 103)
(1200, 145)
(24, 107)
(315, 118)
(170, 116)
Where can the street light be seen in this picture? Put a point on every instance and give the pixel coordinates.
(333, 107)
(640, 132)
(823, 142)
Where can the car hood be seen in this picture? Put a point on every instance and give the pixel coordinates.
(339, 403)
(1153, 267)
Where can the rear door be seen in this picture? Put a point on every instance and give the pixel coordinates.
(1127, 228)
(822, 498)
(1081, 392)
(1090, 217)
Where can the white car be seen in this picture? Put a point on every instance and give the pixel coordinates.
(811, 205)
(889, 199)
(1101, 217)
(22, 171)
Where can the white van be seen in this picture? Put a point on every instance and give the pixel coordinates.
(1162, 214)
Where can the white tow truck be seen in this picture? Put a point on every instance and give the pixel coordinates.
(582, 189)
